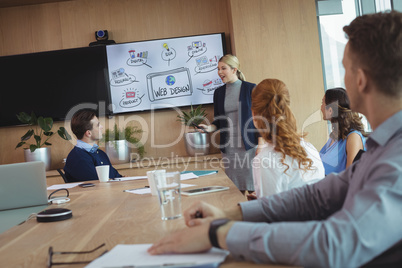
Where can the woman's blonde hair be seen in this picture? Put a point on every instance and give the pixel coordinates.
(233, 62)
(276, 122)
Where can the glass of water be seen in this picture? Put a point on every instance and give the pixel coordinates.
(169, 192)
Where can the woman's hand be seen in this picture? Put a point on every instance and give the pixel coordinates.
(207, 128)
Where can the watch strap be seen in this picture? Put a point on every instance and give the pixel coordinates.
(213, 228)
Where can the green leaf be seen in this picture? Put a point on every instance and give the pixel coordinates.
(196, 116)
(24, 118)
(33, 147)
(34, 119)
(64, 134)
(141, 150)
(106, 137)
(49, 134)
(27, 135)
(20, 144)
(45, 123)
(37, 138)
(116, 133)
(127, 133)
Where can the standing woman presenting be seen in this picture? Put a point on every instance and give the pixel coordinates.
(233, 118)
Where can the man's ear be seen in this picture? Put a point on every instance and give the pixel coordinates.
(88, 133)
(361, 80)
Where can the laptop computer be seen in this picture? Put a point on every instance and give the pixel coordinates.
(22, 192)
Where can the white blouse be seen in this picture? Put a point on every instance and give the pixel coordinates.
(268, 171)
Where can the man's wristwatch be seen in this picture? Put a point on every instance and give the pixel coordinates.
(213, 227)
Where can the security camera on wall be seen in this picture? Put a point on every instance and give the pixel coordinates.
(102, 38)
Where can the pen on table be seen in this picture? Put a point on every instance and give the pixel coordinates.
(136, 189)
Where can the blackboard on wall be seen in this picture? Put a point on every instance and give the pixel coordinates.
(162, 73)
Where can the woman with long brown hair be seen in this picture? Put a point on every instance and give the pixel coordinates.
(347, 136)
(284, 160)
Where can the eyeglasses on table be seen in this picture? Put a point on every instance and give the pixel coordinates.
(50, 262)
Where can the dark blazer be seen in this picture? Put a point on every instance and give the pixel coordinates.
(249, 132)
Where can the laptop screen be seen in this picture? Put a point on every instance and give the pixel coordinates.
(22, 185)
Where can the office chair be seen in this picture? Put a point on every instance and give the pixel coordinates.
(62, 175)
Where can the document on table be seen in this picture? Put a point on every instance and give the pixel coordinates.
(60, 186)
(148, 190)
(188, 176)
(138, 257)
(200, 173)
(130, 178)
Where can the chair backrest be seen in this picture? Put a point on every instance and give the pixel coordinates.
(62, 175)
(358, 155)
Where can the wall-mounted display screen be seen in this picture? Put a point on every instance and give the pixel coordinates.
(52, 83)
(163, 73)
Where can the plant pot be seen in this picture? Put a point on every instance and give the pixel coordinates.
(118, 151)
(41, 154)
(197, 143)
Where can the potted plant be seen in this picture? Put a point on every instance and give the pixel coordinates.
(41, 131)
(197, 143)
(117, 143)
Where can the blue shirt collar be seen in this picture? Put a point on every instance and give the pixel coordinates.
(387, 129)
(87, 147)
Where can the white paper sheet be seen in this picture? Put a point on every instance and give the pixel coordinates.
(137, 256)
(60, 186)
(130, 178)
(188, 176)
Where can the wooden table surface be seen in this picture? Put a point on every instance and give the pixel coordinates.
(106, 214)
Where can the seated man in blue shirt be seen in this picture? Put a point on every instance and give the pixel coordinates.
(349, 219)
(85, 156)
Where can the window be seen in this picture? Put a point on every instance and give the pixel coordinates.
(333, 43)
(332, 16)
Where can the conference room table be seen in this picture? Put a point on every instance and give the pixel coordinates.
(106, 214)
